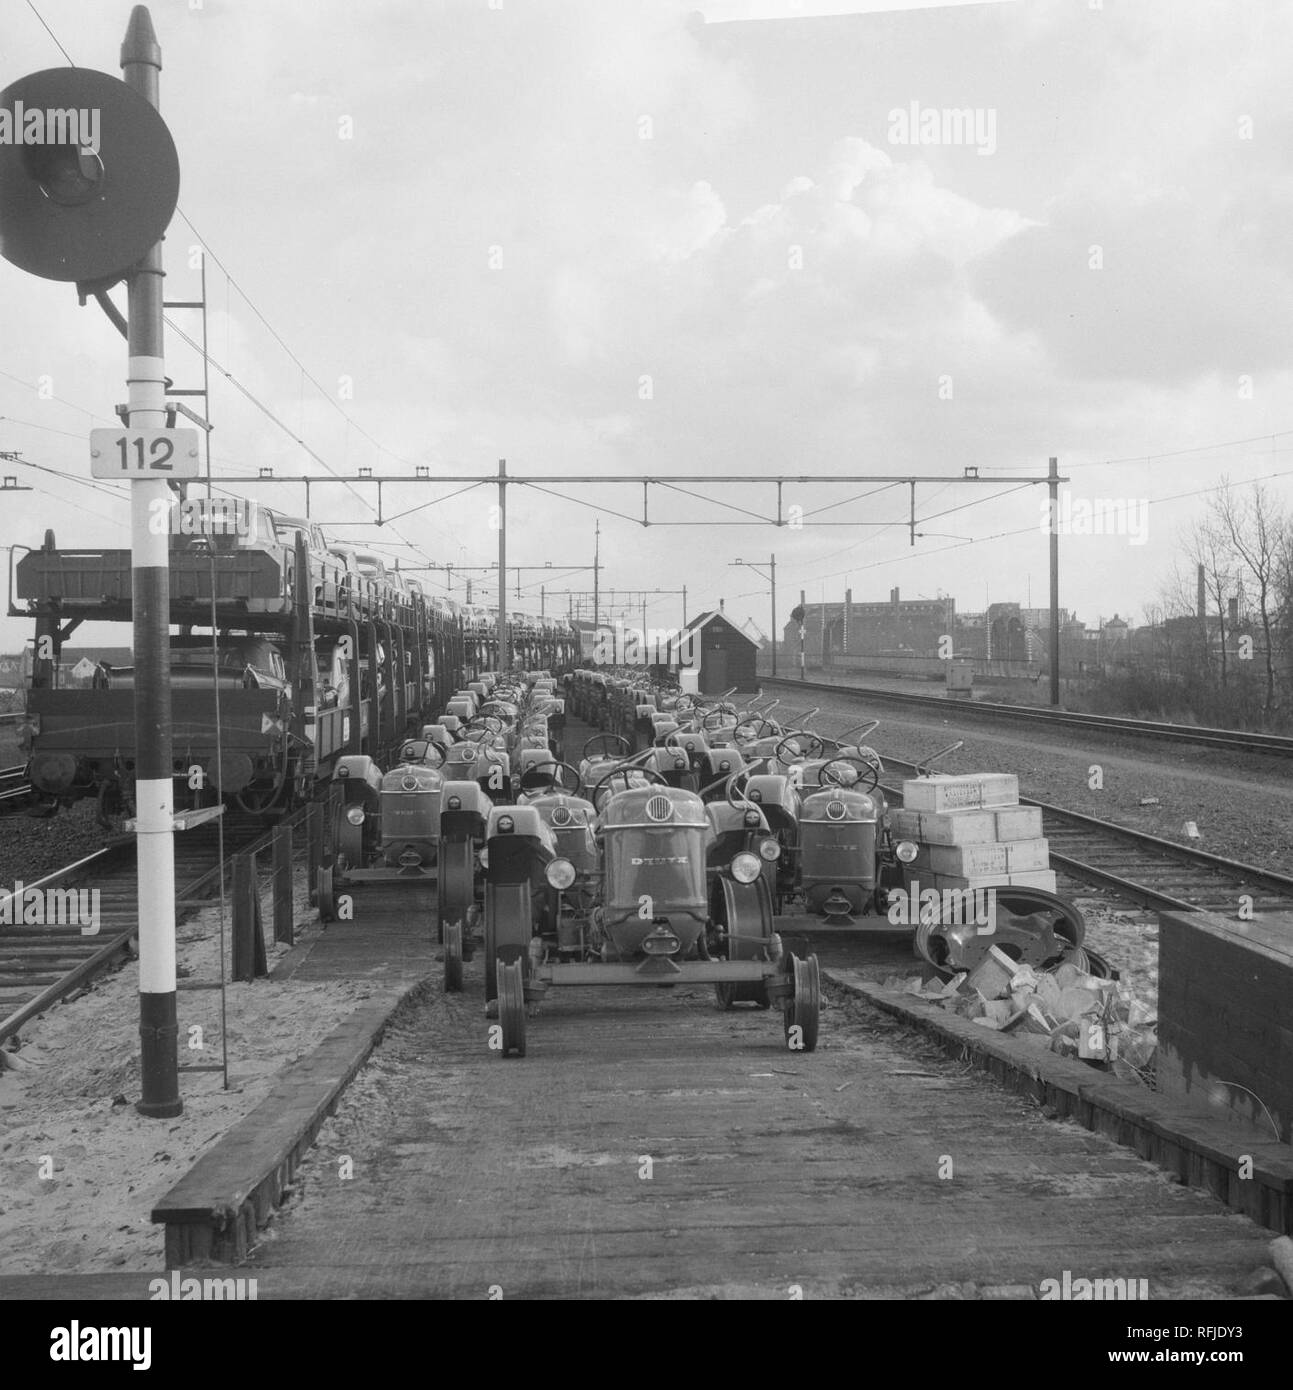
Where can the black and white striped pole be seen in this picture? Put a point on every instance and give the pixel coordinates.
(150, 498)
(90, 204)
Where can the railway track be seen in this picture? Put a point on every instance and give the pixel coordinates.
(1145, 869)
(1272, 745)
(41, 964)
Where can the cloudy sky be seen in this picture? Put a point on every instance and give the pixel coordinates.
(632, 236)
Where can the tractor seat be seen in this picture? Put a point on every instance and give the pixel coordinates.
(722, 762)
(573, 822)
(729, 831)
(519, 845)
(719, 765)
(695, 744)
(666, 762)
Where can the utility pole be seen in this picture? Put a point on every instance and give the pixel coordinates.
(771, 577)
(1053, 483)
(774, 617)
(504, 627)
(597, 570)
(141, 62)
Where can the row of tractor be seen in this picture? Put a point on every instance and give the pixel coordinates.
(621, 868)
(838, 858)
(820, 798)
(661, 855)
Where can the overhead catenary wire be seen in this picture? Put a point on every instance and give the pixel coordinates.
(51, 33)
(233, 285)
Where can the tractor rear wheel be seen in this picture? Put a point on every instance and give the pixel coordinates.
(453, 957)
(325, 894)
(455, 881)
(511, 1006)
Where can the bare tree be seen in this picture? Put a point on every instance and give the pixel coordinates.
(1284, 598)
(1208, 545)
(1255, 528)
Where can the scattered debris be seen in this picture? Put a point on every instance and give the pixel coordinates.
(1149, 801)
(1077, 1014)
(1192, 830)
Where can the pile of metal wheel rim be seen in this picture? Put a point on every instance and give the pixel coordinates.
(1033, 927)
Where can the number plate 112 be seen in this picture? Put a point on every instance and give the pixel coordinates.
(135, 454)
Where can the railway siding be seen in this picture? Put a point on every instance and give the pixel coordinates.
(1274, 745)
(771, 1176)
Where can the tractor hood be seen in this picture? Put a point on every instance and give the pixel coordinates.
(654, 808)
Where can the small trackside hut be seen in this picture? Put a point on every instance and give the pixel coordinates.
(723, 657)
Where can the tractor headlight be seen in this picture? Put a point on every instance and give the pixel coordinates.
(454, 803)
(746, 868)
(752, 818)
(770, 850)
(906, 851)
(506, 825)
(482, 854)
(560, 873)
(355, 815)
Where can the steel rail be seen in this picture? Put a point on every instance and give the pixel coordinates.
(1278, 745)
(119, 847)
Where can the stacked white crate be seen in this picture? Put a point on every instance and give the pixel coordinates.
(972, 832)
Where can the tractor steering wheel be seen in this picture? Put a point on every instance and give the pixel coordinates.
(815, 747)
(626, 771)
(829, 779)
(623, 744)
(486, 723)
(721, 711)
(741, 775)
(751, 721)
(409, 751)
(552, 773)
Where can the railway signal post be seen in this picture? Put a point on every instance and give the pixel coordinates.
(141, 62)
(92, 209)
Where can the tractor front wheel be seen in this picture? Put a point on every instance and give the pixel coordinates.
(803, 1010)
